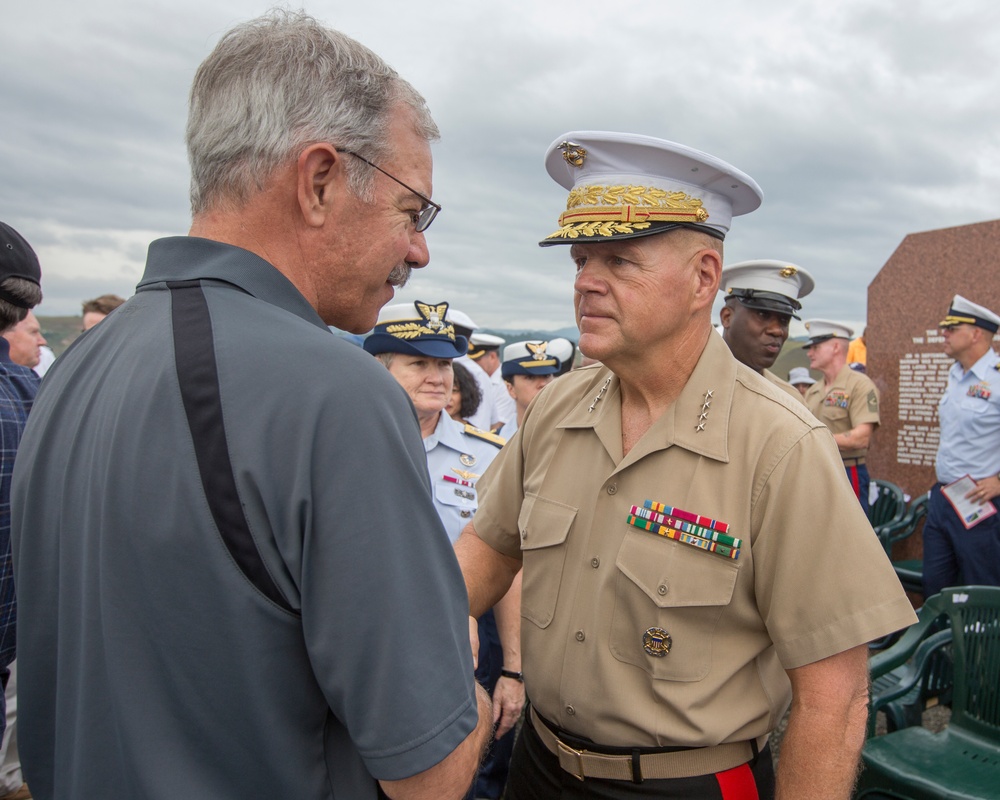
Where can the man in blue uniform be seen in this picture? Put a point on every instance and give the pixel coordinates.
(417, 342)
(969, 415)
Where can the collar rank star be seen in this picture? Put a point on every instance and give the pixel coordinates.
(600, 394)
(705, 406)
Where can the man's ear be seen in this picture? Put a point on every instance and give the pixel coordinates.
(321, 181)
(726, 316)
(708, 273)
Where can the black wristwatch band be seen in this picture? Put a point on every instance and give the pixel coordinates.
(509, 673)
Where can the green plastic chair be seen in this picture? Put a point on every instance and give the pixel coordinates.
(904, 693)
(909, 571)
(963, 760)
(889, 507)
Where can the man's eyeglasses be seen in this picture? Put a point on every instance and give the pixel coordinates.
(428, 210)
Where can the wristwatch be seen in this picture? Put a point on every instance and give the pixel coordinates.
(509, 673)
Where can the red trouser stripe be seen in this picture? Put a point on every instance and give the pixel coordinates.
(852, 473)
(737, 783)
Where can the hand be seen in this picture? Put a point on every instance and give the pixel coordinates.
(474, 640)
(508, 702)
(986, 489)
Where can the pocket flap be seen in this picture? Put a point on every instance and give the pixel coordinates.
(675, 575)
(544, 523)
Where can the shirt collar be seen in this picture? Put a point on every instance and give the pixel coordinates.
(698, 420)
(185, 258)
(447, 432)
(982, 368)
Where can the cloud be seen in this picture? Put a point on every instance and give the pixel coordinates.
(862, 123)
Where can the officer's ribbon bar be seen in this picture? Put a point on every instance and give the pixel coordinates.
(459, 481)
(675, 521)
(697, 519)
(685, 538)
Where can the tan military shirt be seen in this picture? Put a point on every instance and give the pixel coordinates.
(811, 579)
(784, 385)
(850, 400)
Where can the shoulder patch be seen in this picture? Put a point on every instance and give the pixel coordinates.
(486, 436)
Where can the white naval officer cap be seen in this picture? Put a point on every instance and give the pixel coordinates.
(565, 350)
(822, 329)
(767, 285)
(463, 322)
(966, 312)
(623, 185)
(416, 329)
(529, 358)
(480, 343)
(797, 375)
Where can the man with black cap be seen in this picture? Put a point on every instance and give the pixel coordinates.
(761, 298)
(846, 401)
(20, 291)
(656, 503)
(958, 552)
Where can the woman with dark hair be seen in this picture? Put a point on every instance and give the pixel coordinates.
(465, 395)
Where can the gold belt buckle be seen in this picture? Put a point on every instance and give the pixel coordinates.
(574, 757)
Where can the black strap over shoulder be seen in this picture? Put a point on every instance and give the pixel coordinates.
(197, 373)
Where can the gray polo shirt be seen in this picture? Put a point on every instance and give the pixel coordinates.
(161, 655)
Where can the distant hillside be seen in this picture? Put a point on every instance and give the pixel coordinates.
(60, 332)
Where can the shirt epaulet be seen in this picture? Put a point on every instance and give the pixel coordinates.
(486, 436)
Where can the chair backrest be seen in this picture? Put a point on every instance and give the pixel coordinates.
(893, 532)
(974, 615)
(889, 506)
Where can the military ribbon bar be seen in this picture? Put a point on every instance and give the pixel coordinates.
(697, 519)
(673, 521)
(459, 481)
(685, 538)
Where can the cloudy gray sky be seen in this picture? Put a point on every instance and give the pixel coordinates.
(862, 122)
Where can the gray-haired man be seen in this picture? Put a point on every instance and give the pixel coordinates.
(236, 539)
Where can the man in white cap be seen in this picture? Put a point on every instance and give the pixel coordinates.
(484, 350)
(762, 296)
(483, 417)
(656, 503)
(969, 416)
(528, 367)
(846, 401)
(800, 378)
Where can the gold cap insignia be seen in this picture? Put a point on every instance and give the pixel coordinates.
(573, 153)
(656, 642)
(431, 323)
(788, 272)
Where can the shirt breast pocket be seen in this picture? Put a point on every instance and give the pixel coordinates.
(977, 405)
(543, 525)
(677, 588)
(462, 498)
